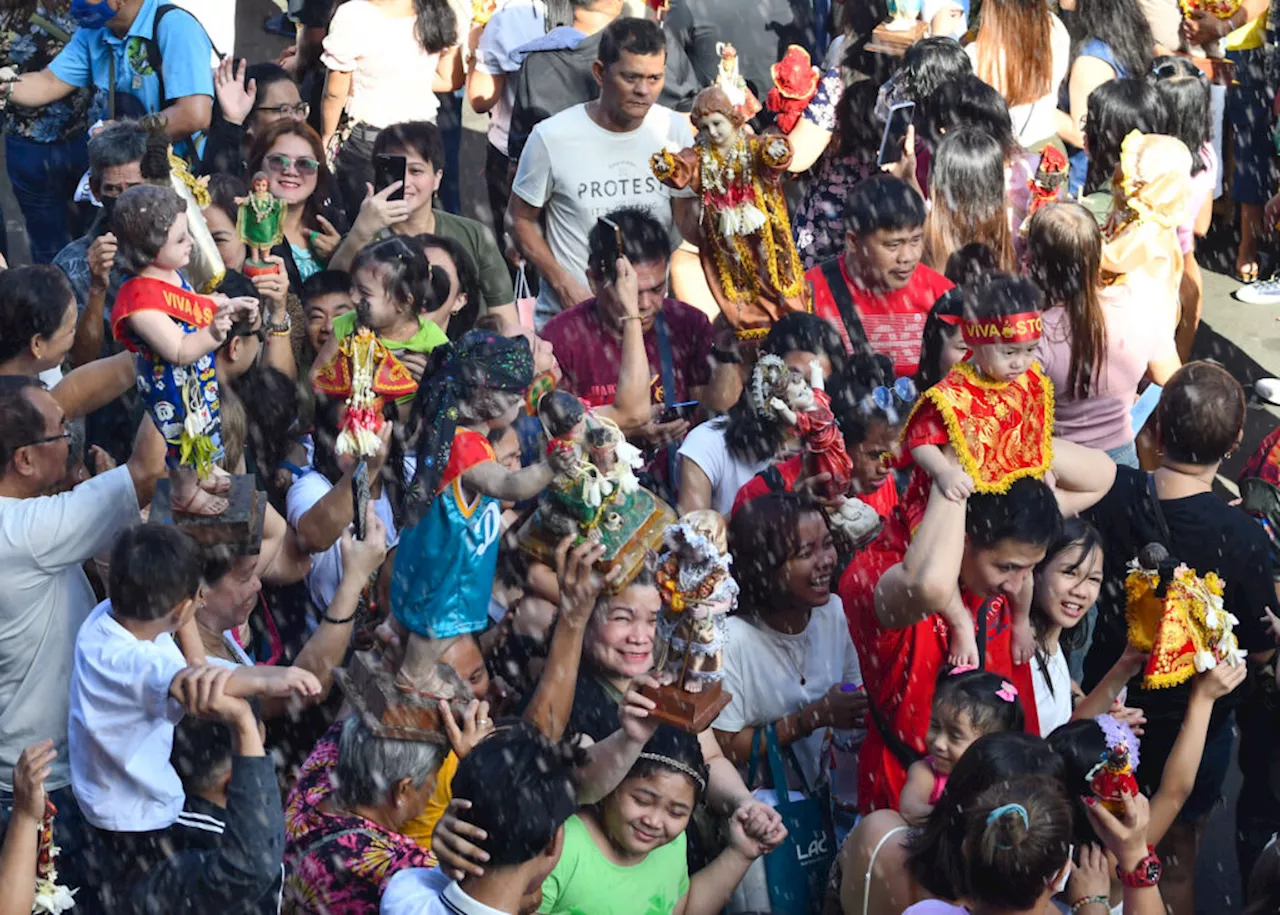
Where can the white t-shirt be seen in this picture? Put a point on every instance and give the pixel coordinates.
(705, 446)
(1053, 707)
(1036, 121)
(576, 171)
(763, 669)
(429, 891)
(326, 566)
(514, 24)
(391, 74)
(44, 599)
(120, 728)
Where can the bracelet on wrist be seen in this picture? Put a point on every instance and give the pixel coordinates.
(340, 622)
(626, 318)
(1079, 904)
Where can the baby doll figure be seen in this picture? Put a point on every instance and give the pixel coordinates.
(174, 333)
(805, 406)
(260, 220)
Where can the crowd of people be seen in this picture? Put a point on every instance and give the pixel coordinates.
(279, 426)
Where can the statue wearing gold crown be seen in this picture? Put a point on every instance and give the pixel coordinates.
(1179, 618)
(367, 375)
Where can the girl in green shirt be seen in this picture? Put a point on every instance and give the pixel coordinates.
(626, 855)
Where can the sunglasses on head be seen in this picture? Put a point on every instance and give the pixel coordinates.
(279, 163)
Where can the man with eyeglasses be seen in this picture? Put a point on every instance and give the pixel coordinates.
(46, 596)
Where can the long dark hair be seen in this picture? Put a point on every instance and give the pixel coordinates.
(1064, 250)
(1185, 92)
(966, 186)
(1120, 25)
(468, 280)
(857, 132)
(436, 26)
(969, 102)
(763, 535)
(971, 265)
(1083, 537)
(1117, 107)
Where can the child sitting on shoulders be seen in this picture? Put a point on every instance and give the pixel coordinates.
(126, 693)
(987, 423)
(967, 704)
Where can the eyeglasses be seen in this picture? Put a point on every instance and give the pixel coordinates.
(280, 164)
(300, 110)
(64, 435)
(903, 391)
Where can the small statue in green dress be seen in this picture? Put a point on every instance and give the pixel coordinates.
(260, 222)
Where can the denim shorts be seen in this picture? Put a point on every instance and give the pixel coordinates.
(1249, 111)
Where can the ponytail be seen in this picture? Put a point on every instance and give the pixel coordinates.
(1017, 838)
(436, 26)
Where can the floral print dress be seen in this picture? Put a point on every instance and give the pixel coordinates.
(819, 220)
(337, 863)
(28, 45)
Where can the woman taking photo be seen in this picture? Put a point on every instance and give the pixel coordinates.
(290, 154)
(1110, 40)
(374, 49)
(967, 189)
(1022, 50)
(1098, 343)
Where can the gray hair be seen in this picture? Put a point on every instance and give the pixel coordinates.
(117, 144)
(369, 766)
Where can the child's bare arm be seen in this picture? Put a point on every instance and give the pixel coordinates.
(1083, 475)
(913, 803)
(492, 479)
(167, 340)
(272, 682)
(945, 471)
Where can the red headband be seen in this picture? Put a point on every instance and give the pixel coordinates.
(1020, 328)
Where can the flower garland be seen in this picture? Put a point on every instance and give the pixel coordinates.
(729, 183)
(51, 898)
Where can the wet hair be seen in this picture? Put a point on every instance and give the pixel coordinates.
(368, 766)
(1064, 250)
(1117, 107)
(1002, 295)
(763, 535)
(420, 137)
(1082, 538)
(326, 282)
(21, 421)
(857, 132)
(930, 64)
(644, 240)
(967, 267)
(435, 25)
(223, 191)
(1200, 415)
(642, 37)
(119, 143)
(154, 567)
(851, 401)
(464, 266)
(974, 692)
(684, 755)
(1017, 838)
(969, 102)
(1119, 24)
(201, 754)
(262, 144)
(799, 331)
(1026, 514)
(1081, 745)
(966, 185)
(882, 202)
(1185, 93)
(521, 790)
(141, 221)
(936, 856)
(405, 273)
(33, 303)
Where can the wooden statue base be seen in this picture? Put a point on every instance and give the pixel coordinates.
(895, 42)
(239, 527)
(692, 712)
(387, 710)
(641, 520)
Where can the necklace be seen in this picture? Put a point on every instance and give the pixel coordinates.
(800, 665)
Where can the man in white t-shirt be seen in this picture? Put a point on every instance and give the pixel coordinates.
(44, 541)
(593, 159)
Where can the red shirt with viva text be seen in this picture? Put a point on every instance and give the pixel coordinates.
(893, 321)
(589, 354)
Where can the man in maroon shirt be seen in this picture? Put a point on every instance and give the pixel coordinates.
(878, 292)
(588, 337)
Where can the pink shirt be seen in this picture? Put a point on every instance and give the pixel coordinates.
(1202, 185)
(1102, 419)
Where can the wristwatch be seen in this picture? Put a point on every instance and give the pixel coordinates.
(279, 330)
(1147, 873)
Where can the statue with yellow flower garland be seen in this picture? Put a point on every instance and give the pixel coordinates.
(697, 593)
(748, 256)
(1178, 617)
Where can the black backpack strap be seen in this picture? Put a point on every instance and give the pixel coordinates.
(902, 752)
(772, 477)
(844, 303)
(153, 44)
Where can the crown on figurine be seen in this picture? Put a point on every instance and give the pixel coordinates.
(1179, 617)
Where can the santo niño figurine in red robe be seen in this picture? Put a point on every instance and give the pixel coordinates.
(804, 406)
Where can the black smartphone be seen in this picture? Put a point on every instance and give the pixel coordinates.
(387, 170)
(360, 499)
(895, 133)
(613, 247)
(676, 411)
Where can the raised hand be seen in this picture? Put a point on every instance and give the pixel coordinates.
(235, 99)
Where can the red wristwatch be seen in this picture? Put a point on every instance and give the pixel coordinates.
(1147, 873)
